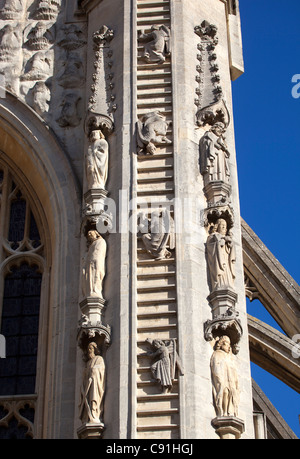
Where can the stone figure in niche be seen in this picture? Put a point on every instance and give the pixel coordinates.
(156, 44)
(225, 381)
(93, 387)
(159, 232)
(97, 161)
(40, 96)
(221, 257)
(72, 73)
(152, 131)
(10, 42)
(214, 155)
(94, 266)
(38, 67)
(69, 116)
(12, 9)
(163, 370)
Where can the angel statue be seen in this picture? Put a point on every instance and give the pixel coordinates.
(159, 232)
(157, 44)
(151, 132)
(163, 370)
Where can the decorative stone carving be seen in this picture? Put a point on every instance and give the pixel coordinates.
(151, 132)
(39, 97)
(214, 155)
(70, 112)
(97, 161)
(97, 121)
(38, 67)
(39, 37)
(221, 257)
(71, 74)
(215, 113)
(10, 42)
(94, 266)
(102, 98)
(156, 44)
(224, 323)
(208, 91)
(47, 10)
(163, 370)
(71, 37)
(225, 380)
(12, 9)
(159, 232)
(93, 388)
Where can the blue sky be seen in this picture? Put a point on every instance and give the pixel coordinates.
(267, 131)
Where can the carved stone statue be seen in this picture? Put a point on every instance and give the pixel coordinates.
(10, 42)
(38, 67)
(214, 155)
(220, 257)
(152, 131)
(97, 161)
(156, 47)
(40, 97)
(94, 266)
(163, 370)
(225, 381)
(159, 231)
(72, 72)
(69, 116)
(93, 387)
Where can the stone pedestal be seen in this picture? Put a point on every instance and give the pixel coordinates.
(90, 431)
(222, 300)
(93, 309)
(228, 427)
(217, 193)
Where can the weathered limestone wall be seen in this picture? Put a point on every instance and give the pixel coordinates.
(151, 95)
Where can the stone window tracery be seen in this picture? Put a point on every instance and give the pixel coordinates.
(21, 273)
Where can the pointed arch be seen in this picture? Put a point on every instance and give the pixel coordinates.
(33, 155)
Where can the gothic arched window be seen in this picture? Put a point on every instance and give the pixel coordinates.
(21, 272)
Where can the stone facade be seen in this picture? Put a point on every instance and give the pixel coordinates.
(117, 124)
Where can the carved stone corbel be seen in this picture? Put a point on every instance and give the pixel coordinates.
(225, 324)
